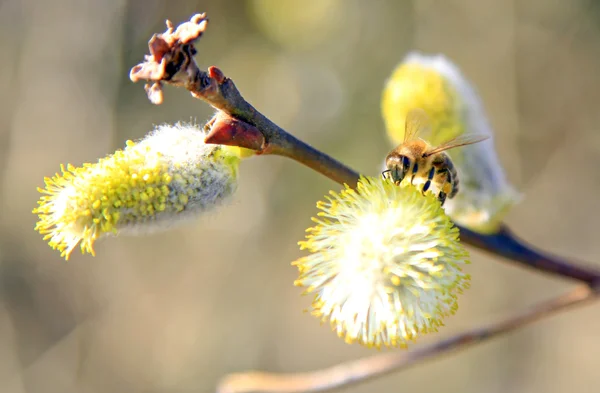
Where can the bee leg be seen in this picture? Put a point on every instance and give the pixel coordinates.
(442, 197)
(405, 167)
(429, 178)
(415, 169)
(426, 186)
(448, 179)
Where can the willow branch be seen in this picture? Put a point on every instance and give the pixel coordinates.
(171, 61)
(362, 370)
(238, 123)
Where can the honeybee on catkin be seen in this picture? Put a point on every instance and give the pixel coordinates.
(426, 165)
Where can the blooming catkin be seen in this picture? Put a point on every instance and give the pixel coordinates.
(384, 263)
(436, 85)
(169, 175)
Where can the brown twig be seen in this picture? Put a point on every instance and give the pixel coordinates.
(368, 368)
(238, 123)
(178, 67)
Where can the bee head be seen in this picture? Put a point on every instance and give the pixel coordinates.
(397, 166)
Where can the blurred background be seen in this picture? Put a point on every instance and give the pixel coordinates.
(175, 312)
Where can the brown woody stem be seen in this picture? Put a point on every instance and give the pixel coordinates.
(171, 61)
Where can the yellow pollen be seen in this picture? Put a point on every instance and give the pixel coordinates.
(71, 211)
(415, 86)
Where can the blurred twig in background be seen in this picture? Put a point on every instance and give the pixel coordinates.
(368, 368)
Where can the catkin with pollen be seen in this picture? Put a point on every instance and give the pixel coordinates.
(384, 263)
(169, 176)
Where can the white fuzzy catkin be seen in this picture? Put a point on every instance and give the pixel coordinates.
(384, 263)
(168, 176)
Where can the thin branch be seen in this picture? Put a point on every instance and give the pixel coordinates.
(505, 244)
(171, 61)
(238, 123)
(368, 368)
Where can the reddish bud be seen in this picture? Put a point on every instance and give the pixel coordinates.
(216, 74)
(226, 130)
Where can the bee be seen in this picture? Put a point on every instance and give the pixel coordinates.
(426, 165)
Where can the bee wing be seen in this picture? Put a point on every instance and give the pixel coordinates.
(461, 140)
(417, 123)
